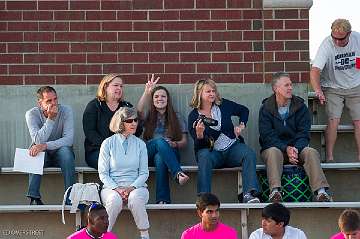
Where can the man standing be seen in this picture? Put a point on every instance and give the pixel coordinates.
(274, 224)
(284, 124)
(209, 227)
(98, 222)
(51, 129)
(336, 80)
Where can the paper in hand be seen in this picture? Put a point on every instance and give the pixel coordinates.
(25, 163)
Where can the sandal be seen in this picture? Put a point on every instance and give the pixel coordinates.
(182, 178)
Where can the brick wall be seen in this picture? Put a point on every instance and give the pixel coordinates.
(77, 42)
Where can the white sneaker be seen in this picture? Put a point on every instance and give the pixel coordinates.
(249, 198)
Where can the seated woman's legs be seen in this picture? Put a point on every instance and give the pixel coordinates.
(167, 154)
(91, 158)
(136, 203)
(113, 204)
(240, 154)
(162, 180)
(207, 160)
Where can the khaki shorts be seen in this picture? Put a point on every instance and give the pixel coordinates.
(336, 98)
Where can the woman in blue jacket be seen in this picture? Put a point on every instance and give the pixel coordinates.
(220, 145)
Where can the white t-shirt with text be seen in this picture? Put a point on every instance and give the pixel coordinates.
(338, 63)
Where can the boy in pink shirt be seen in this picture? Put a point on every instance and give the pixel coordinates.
(349, 224)
(209, 227)
(97, 226)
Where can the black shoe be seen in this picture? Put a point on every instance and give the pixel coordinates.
(36, 201)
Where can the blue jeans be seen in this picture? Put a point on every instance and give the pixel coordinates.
(164, 158)
(65, 159)
(238, 154)
(92, 158)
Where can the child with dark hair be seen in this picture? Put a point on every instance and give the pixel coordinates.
(349, 225)
(274, 224)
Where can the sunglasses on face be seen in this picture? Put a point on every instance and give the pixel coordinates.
(340, 39)
(129, 121)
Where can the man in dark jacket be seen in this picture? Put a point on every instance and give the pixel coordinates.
(284, 124)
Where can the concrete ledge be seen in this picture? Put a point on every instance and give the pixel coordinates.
(341, 128)
(194, 168)
(287, 3)
(57, 208)
(32, 208)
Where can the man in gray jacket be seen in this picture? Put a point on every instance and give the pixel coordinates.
(51, 128)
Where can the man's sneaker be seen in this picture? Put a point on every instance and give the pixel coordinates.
(36, 201)
(249, 198)
(275, 196)
(323, 197)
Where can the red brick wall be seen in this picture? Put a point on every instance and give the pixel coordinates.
(77, 42)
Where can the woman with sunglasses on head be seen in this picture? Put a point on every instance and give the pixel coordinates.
(123, 168)
(165, 133)
(98, 113)
(217, 143)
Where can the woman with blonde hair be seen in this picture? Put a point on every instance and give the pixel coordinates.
(164, 133)
(98, 113)
(217, 143)
(123, 168)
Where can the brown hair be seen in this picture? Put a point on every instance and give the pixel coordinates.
(341, 25)
(349, 221)
(172, 124)
(106, 80)
(199, 85)
(41, 90)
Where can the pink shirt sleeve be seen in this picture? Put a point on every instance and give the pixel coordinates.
(338, 236)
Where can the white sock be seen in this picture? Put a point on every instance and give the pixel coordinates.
(275, 190)
(145, 234)
(321, 190)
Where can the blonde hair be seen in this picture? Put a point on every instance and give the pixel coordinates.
(199, 86)
(117, 121)
(106, 80)
(341, 25)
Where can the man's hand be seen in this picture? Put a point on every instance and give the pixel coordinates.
(52, 111)
(320, 95)
(292, 154)
(238, 129)
(199, 128)
(37, 148)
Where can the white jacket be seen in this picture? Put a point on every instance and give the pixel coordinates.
(81, 194)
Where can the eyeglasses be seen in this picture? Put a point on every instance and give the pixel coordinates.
(340, 39)
(95, 205)
(129, 121)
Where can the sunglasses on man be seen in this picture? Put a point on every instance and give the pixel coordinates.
(340, 39)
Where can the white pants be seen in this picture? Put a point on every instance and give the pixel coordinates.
(136, 203)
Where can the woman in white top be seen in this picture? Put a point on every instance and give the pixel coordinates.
(123, 168)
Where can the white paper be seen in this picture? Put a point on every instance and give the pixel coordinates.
(25, 163)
